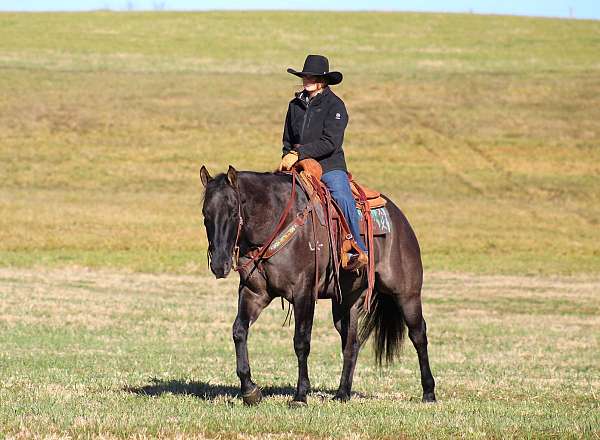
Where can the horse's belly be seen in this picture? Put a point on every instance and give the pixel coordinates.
(350, 283)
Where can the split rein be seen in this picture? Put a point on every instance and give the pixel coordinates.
(256, 254)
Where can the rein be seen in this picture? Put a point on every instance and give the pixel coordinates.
(257, 254)
(236, 246)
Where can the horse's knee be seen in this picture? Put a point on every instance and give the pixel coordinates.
(301, 346)
(239, 331)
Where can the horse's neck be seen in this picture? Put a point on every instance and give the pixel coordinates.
(264, 198)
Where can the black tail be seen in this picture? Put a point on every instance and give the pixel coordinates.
(387, 320)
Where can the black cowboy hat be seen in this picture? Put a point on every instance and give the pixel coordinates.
(318, 65)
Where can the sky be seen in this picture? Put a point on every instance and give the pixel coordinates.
(550, 8)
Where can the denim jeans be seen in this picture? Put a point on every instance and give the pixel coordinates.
(339, 186)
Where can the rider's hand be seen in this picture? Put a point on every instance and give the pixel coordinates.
(288, 161)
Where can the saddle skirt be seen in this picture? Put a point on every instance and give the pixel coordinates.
(373, 197)
(376, 204)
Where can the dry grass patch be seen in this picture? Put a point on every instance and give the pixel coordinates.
(123, 354)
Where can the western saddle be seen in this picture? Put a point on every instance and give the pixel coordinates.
(341, 240)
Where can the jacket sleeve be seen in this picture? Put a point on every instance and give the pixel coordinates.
(332, 137)
(287, 133)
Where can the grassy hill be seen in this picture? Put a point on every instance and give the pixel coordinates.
(484, 129)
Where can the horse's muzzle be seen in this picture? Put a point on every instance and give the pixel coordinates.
(220, 269)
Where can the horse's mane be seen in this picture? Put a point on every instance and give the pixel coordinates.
(220, 180)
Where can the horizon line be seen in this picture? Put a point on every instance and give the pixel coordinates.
(258, 9)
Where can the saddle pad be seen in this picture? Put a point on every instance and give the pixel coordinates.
(381, 221)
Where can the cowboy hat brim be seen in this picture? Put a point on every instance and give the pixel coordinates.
(333, 78)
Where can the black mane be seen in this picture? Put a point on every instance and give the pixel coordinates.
(220, 180)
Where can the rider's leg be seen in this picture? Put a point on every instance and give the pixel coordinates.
(339, 186)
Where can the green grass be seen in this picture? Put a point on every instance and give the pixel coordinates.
(114, 354)
(483, 129)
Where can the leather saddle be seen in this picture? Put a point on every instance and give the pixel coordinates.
(330, 215)
(323, 209)
(374, 198)
(310, 173)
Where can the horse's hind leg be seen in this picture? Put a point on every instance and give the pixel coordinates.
(250, 304)
(346, 323)
(417, 332)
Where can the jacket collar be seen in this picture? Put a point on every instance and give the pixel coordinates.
(302, 96)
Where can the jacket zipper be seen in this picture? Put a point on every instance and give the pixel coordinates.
(304, 121)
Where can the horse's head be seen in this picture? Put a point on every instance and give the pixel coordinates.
(221, 211)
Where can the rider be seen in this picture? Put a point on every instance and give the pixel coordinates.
(314, 128)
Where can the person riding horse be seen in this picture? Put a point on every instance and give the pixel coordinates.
(314, 128)
(241, 232)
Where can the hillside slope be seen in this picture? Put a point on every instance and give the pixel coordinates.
(484, 129)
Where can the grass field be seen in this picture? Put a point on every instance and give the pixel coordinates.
(484, 129)
(117, 354)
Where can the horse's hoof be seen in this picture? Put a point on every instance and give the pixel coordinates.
(429, 397)
(340, 397)
(253, 397)
(297, 404)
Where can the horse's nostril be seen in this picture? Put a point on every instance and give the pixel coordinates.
(221, 271)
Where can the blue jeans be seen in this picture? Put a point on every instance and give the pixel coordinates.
(339, 186)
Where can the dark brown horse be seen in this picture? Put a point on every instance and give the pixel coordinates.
(245, 207)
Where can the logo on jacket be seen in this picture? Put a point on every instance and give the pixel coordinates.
(338, 116)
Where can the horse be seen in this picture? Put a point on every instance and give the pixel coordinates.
(241, 210)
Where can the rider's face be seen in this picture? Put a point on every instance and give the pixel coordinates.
(311, 83)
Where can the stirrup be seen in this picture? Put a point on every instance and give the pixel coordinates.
(353, 261)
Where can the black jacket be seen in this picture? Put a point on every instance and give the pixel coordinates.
(318, 126)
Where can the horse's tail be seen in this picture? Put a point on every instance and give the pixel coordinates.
(387, 320)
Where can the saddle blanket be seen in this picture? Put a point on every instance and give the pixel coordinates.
(381, 221)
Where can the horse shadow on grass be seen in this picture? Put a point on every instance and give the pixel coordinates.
(208, 391)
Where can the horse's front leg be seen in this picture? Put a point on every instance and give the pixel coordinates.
(304, 309)
(250, 304)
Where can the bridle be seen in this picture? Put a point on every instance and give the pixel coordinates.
(235, 256)
(256, 254)
(236, 247)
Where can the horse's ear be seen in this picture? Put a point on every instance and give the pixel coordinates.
(205, 176)
(232, 176)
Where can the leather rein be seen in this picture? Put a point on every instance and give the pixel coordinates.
(256, 254)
